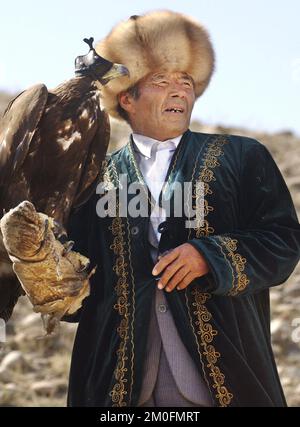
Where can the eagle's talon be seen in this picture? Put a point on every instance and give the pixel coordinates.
(67, 247)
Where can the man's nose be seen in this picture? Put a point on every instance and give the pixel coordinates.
(177, 91)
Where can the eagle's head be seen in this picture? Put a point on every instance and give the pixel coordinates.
(96, 67)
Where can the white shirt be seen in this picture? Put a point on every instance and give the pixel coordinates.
(153, 158)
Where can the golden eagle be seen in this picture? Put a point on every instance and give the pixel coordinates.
(52, 145)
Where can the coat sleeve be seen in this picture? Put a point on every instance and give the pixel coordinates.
(79, 232)
(78, 228)
(265, 248)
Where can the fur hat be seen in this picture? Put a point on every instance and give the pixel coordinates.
(156, 41)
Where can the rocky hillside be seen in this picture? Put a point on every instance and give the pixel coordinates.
(34, 371)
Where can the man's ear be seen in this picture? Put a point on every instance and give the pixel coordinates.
(125, 101)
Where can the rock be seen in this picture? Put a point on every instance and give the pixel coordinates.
(283, 307)
(275, 296)
(11, 387)
(286, 381)
(12, 360)
(5, 377)
(293, 289)
(32, 319)
(49, 387)
(15, 361)
(276, 324)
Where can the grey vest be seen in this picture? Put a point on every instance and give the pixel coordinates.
(163, 337)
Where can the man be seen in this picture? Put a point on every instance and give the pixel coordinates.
(178, 315)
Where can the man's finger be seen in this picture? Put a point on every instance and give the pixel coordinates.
(168, 272)
(177, 278)
(186, 281)
(163, 254)
(164, 261)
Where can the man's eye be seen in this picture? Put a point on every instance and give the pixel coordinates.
(160, 82)
(189, 84)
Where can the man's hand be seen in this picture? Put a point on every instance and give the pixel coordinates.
(180, 267)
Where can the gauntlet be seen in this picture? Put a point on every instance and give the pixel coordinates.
(54, 277)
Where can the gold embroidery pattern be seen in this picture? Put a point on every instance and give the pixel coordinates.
(237, 263)
(192, 180)
(200, 315)
(205, 334)
(133, 307)
(206, 175)
(119, 392)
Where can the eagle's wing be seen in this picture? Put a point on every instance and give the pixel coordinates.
(10, 291)
(94, 161)
(17, 127)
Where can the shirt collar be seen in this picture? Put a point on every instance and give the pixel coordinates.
(144, 143)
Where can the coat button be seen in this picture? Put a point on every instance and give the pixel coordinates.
(134, 230)
(162, 308)
(163, 226)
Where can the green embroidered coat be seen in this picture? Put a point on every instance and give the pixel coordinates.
(250, 237)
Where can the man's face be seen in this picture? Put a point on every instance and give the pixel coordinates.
(164, 107)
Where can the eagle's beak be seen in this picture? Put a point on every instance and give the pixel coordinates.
(117, 70)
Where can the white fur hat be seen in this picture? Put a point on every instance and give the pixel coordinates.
(156, 41)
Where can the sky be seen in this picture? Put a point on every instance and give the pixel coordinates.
(256, 84)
